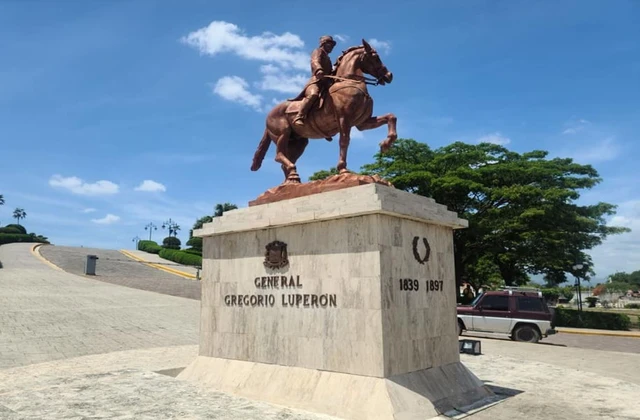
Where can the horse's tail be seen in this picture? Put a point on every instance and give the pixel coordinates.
(263, 146)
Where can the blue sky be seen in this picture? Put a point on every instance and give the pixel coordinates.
(98, 97)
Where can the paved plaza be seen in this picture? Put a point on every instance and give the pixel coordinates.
(74, 347)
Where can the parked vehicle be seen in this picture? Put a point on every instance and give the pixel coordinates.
(520, 313)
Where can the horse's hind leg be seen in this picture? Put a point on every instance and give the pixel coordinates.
(296, 149)
(282, 151)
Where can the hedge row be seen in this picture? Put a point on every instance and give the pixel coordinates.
(149, 246)
(181, 257)
(591, 319)
(9, 238)
(193, 251)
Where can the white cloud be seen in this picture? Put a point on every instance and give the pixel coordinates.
(278, 80)
(224, 37)
(495, 138)
(576, 125)
(383, 46)
(78, 186)
(150, 186)
(106, 220)
(356, 134)
(341, 37)
(89, 210)
(601, 151)
(234, 89)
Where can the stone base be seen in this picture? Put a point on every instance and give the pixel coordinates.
(416, 395)
(332, 183)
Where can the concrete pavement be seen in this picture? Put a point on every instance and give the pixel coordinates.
(47, 314)
(115, 340)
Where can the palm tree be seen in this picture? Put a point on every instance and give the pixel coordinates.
(19, 214)
(1, 199)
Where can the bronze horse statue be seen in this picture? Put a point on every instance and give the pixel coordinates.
(344, 105)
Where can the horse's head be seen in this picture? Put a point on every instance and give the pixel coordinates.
(373, 65)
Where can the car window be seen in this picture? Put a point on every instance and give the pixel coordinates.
(530, 304)
(477, 298)
(495, 303)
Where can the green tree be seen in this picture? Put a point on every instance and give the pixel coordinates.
(219, 210)
(19, 214)
(323, 174)
(629, 278)
(521, 208)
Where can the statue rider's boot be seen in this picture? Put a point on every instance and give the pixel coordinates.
(304, 109)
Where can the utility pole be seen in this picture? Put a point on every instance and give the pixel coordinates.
(136, 240)
(150, 227)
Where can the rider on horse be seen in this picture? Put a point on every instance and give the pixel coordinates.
(317, 84)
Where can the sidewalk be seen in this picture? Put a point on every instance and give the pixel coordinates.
(154, 260)
(587, 331)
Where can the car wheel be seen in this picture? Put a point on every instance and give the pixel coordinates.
(526, 333)
(459, 327)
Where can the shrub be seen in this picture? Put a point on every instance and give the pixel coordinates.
(181, 257)
(11, 229)
(9, 238)
(193, 251)
(149, 246)
(632, 306)
(171, 242)
(20, 228)
(590, 319)
(551, 295)
(195, 243)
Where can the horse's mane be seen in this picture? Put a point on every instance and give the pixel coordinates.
(345, 52)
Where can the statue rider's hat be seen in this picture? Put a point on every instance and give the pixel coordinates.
(327, 38)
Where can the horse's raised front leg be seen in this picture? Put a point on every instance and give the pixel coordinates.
(375, 122)
(288, 167)
(345, 138)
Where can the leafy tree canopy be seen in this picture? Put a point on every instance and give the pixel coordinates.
(323, 174)
(632, 279)
(218, 211)
(521, 208)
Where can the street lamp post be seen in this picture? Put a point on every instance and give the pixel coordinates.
(136, 239)
(150, 227)
(579, 292)
(172, 226)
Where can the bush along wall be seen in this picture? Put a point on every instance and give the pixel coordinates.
(181, 257)
(9, 238)
(573, 318)
(149, 246)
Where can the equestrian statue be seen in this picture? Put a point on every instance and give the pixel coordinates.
(334, 100)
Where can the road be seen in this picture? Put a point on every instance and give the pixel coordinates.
(115, 268)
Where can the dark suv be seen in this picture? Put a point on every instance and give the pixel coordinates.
(522, 314)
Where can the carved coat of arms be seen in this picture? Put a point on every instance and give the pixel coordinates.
(276, 255)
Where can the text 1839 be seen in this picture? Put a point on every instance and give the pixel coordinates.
(412, 285)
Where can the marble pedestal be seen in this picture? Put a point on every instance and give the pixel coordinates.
(360, 324)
